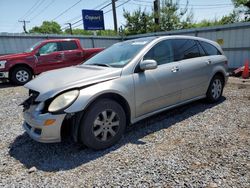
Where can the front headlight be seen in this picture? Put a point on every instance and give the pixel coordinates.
(62, 101)
(2, 64)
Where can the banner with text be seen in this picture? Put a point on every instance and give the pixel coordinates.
(93, 19)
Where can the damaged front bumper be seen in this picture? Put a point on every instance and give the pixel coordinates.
(45, 127)
(4, 75)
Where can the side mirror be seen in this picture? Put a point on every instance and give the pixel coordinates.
(37, 54)
(148, 64)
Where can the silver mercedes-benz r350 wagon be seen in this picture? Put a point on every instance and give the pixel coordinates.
(127, 82)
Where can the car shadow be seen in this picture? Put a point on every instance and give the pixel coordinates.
(68, 155)
(6, 84)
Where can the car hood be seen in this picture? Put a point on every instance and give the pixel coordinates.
(51, 83)
(14, 56)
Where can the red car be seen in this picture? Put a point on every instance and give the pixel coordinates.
(43, 56)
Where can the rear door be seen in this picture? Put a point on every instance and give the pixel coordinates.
(49, 57)
(193, 67)
(72, 53)
(158, 88)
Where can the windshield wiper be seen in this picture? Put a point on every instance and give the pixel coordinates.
(100, 64)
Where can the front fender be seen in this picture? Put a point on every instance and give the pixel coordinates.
(123, 86)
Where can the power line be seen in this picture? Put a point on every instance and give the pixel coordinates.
(103, 13)
(94, 9)
(132, 3)
(51, 2)
(77, 17)
(203, 8)
(117, 6)
(30, 9)
(102, 4)
(66, 10)
(202, 5)
(196, 8)
(36, 8)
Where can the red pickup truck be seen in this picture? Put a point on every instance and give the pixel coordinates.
(43, 56)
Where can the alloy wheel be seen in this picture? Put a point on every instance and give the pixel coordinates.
(216, 88)
(106, 125)
(22, 76)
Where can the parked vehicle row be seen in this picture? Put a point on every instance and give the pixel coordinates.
(121, 85)
(43, 56)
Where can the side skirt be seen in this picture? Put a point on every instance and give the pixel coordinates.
(166, 108)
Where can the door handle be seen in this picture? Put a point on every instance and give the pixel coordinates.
(209, 62)
(175, 69)
(61, 55)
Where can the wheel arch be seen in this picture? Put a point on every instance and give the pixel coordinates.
(116, 97)
(20, 65)
(109, 95)
(221, 74)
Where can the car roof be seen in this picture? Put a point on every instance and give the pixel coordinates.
(59, 40)
(159, 38)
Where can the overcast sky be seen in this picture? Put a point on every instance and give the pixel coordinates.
(36, 11)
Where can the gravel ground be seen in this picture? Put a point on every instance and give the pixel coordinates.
(197, 145)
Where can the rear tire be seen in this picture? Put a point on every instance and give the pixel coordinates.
(103, 124)
(215, 89)
(20, 75)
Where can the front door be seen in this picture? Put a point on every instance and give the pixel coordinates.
(49, 57)
(158, 88)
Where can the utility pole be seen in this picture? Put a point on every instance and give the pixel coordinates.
(24, 24)
(70, 28)
(157, 11)
(114, 14)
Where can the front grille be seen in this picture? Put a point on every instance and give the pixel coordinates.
(31, 100)
(38, 131)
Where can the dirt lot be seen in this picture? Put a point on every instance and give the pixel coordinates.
(197, 145)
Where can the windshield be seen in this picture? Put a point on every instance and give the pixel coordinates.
(120, 54)
(33, 47)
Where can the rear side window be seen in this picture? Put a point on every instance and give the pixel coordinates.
(68, 45)
(209, 48)
(202, 52)
(162, 53)
(185, 49)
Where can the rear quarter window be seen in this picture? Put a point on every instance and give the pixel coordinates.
(69, 45)
(209, 48)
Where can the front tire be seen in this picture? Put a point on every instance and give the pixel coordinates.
(103, 124)
(215, 89)
(20, 75)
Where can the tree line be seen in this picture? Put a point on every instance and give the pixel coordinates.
(171, 17)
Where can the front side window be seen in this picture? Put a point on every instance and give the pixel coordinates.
(185, 49)
(68, 45)
(162, 53)
(209, 48)
(48, 48)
